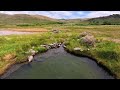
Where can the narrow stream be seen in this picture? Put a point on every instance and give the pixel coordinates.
(57, 64)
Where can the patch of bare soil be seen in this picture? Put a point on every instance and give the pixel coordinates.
(2, 33)
(28, 29)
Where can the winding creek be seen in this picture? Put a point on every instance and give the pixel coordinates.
(57, 64)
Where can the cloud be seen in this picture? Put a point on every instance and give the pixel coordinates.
(65, 14)
(52, 14)
(57, 14)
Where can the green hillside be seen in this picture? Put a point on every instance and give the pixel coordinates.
(26, 20)
(107, 20)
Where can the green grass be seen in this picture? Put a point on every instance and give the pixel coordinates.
(105, 52)
(20, 44)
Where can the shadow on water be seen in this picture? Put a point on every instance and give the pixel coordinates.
(57, 64)
(29, 65)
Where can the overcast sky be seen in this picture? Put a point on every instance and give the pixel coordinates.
(66, 14)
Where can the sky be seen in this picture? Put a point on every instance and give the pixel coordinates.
(65, 14)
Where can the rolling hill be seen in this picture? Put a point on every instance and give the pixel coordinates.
(24, 19)
(106, 20)
(38, 20)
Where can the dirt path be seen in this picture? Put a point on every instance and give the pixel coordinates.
(13, 32)
(26, 29)
(10, 31)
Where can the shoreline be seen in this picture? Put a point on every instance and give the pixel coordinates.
(9, 65)
(95, 60)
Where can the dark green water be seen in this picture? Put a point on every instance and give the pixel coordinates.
(57, 64)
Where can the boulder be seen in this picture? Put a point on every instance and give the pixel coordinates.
(83, 34)
(89, 40)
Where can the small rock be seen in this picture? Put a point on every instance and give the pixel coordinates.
(64, 46)
(55, 31)
(51, 45)
(54, 45)
(48, 47)
(30, 58)
(43, 45)
(83, 34)
(33, 52)
(59, 45)
(78, 49)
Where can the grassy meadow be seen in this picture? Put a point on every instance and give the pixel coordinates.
(105, 52)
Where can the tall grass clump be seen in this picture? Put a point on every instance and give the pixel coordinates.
(108, 50)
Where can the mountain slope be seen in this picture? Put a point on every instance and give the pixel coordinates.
(107, 20)
(33, 20)
(25, 19)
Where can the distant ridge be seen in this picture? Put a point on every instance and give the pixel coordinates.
(106, 20)
(24, 18)
(18, 19)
